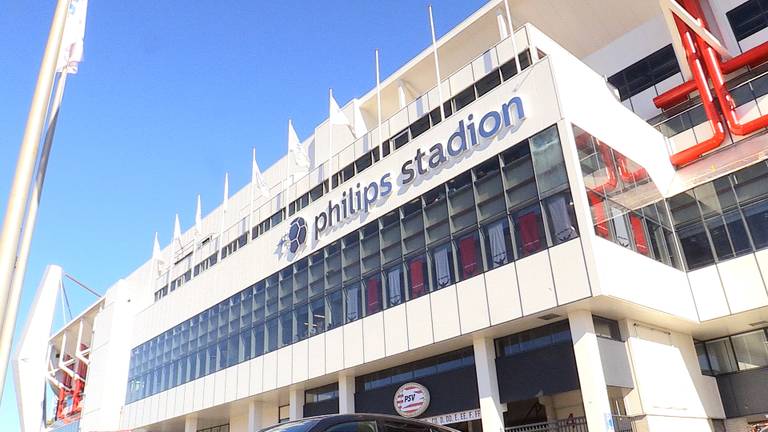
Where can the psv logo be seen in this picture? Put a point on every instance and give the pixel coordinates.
(411, 400)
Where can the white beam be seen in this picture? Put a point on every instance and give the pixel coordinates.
(695, 25)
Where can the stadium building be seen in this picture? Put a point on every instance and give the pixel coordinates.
(568, 233)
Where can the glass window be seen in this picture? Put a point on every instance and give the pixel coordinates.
(756, 216)
(350, 254)
(317, 309)
(353, 300)
(748, 18)
(721, 357)
(489, 189)
(412, 227)
(286, 328)
(417, 276)
(271, 336)
(498, 243)
(561, 218)
(359, 426)
(519, 181)
(548, 161)
(461, 202)
(529, 231)
(395, 291)
(749, 183)
(684, 208)
(696, 249)
(464, 98)
(470, 259)
(488, 82)
(606, 328)
(442, 266)
(390, 237)
(334, 310)
(751, 349)
(436, 214)
(372, 287)
(258, 340)
(301, 316)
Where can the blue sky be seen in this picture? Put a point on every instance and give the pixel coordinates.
(171, 95)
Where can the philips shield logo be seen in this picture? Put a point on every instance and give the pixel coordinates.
(297, 235)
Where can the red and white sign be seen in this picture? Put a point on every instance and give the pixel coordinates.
(411, 400)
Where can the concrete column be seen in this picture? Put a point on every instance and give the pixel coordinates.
(296, 401)
(594, 391)
(255, 417)
(549, 407)
(401, 93)
(346, 394)
(190, 423)
(491, 408)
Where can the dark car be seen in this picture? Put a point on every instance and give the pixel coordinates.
(357, 423)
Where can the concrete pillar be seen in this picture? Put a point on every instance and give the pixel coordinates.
(255, 417)
(401, 93)
(501, 20)
(346, 394)
(549, 407)
(594, 391)
(190, 423)
(296, 403)
(491, 408)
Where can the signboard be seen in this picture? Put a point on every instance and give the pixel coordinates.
(461, 416)
(411, 400)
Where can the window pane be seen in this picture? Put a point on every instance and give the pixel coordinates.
(417, 276)
(301, 315)
(719, 235)
(737, 232)
(751, 349)
(548, 160)
(721, 356)
(442, 266)
(335, 310)
(529, 231)
(317, 309)
(695, 246)
(561, 218)
(489, 189)
(352, 297)
(757, 221)
(750, 182)
(395, 292)
(271, 337)
(461, 202)
(372, 287)
(470, 259)
(518, 177)
(701, 353)
(498, 243)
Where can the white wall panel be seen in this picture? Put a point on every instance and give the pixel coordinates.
(460, 80)
(473, 304)
(396, 330)
(569, 271)
(154, 408)
(256, 375)
(419, 322)
(316, 355)
(762, 262)
(200, 396)
(503, 294)
(334, 350)
(181, 395)
(230, 388)
(642, 103)
(243, 379)
(284, 366)
(708, 293)
(353, 344)
(189, 396)
(537, 290)
(373, 337)
(219, 386)
(269, 373)
(166, 409)
(743, 283)
(300, 370)
(445, 313)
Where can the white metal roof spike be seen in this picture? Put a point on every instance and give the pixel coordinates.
(156, 248)
(176, 228)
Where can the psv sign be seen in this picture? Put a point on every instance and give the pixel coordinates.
(411, 400)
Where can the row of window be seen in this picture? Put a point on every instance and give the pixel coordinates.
(533, 339)
(724, 218)
(461, 100)
(458, 359)
(626, 206)
(508, 207)
(321, 394)
(748, 18)
(646, 72)
(734, 353)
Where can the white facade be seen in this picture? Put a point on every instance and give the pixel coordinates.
(649, 373)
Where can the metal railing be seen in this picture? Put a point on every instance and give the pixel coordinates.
(573, 424)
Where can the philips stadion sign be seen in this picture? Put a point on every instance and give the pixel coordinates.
(356, 201)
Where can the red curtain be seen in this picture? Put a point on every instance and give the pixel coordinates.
(468, 256)
(529, 232)
(641, 242)
(373, 296)
(416, 270)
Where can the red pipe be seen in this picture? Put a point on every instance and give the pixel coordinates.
(692, 153)
(727, 105)
(675, 95)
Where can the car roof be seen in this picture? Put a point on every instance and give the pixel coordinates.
(325, 421)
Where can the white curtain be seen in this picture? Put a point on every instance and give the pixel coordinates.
(442, 266)
(353, 303)
(561, 220)
(498, 245)
(393, 286)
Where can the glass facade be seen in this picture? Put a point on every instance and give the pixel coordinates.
(462, 358)
(724, 218)
(734, 353)
(533, 339)
(626, 205)
(508, 207)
